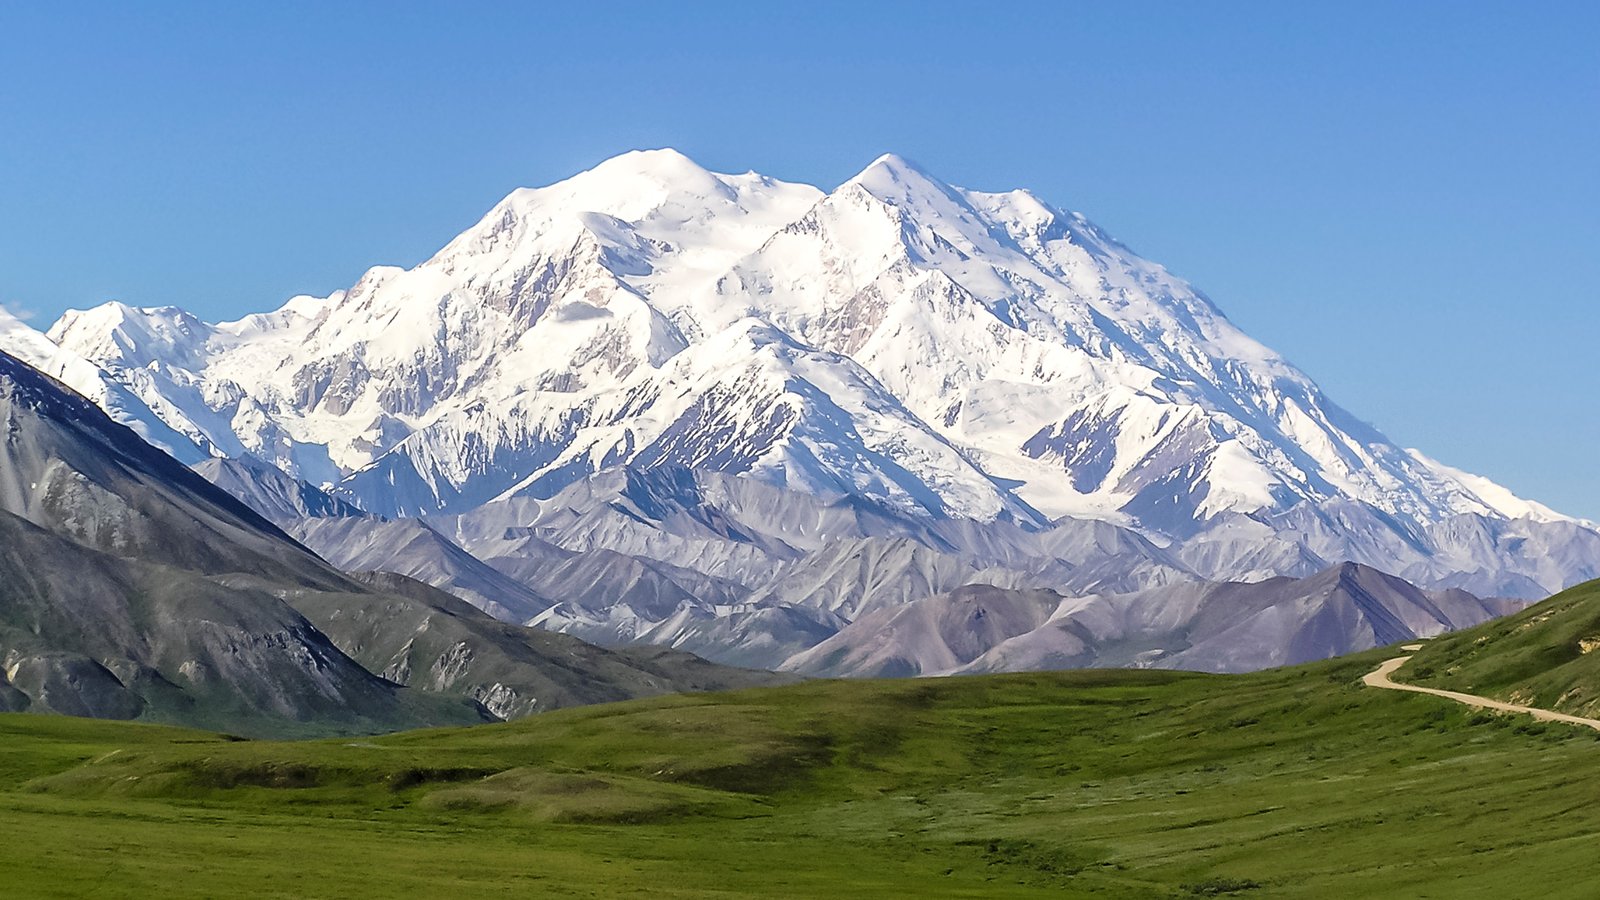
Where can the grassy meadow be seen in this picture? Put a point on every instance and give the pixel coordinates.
(1290, 783)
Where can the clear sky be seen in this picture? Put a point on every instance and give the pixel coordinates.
(1403, 198)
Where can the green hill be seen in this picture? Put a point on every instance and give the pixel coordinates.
(1544, 656)
(1289, 783)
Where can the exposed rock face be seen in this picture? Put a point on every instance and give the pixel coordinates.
(132, 588)
(1205, 627)
(768, 578)
(86, 633)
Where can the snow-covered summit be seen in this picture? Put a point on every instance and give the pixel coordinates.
(943, 351)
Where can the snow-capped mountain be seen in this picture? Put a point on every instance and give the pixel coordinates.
(942, 352)
(72, 370)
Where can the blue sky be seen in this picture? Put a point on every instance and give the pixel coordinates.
(1404, 198)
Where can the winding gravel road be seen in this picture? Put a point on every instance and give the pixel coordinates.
(1379, 678)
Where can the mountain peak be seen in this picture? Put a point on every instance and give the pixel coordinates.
(662, 162)
(662, 171)
(630, 187)
(943, 212)
(43, 352)
(895, 163)
(892, 174)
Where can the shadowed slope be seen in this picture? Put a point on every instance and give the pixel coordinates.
(131, 587)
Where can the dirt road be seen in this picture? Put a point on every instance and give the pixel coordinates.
(1379, 678)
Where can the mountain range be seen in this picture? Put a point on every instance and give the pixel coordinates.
(775, 425)
(130, 587)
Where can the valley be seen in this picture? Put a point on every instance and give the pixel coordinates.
(1296, 782)
(576, 451)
